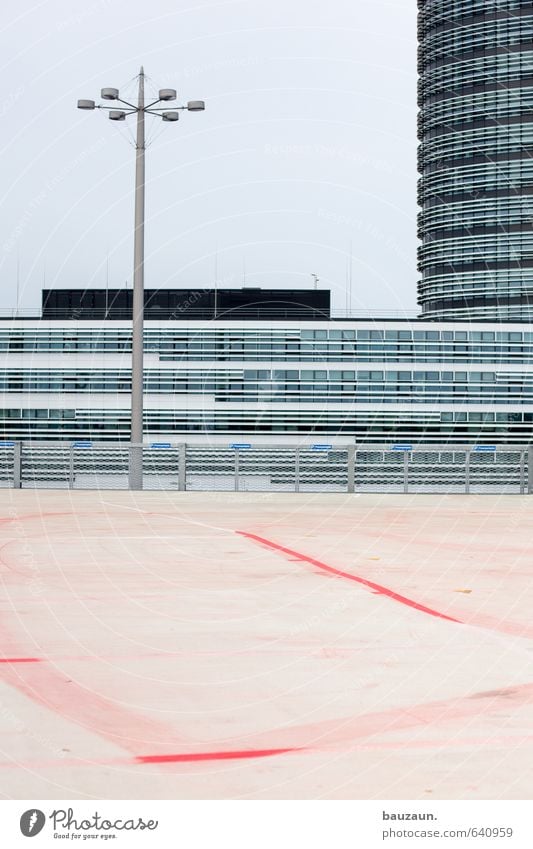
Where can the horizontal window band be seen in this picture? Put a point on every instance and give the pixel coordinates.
(487, 265)
(430, 61)
(478, 301)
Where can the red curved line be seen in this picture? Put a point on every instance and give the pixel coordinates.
(212, 756)
(370, 584)
(20, 660)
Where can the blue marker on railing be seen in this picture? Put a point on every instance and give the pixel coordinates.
(239, 445)
(82, 445)
(402, 447)
(490, 448)
(161, 445)
(321, 447)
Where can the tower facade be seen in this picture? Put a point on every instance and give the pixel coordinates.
(476, 159)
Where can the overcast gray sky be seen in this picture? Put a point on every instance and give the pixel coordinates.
(308, 143)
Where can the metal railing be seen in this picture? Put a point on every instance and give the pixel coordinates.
(191, 313)
(243, 467)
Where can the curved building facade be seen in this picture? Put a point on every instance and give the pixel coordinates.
(476, 159)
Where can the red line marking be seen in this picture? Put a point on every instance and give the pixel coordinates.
(20, 660)
(378, 588)
(212, 756)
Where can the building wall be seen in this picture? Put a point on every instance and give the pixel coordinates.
(363, 381)
(476, 134)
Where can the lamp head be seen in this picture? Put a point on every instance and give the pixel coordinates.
(167, 94)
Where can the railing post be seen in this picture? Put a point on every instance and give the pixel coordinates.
(467, 472)
(236, 484)
(530, 470)
(17, 465)
(351, 468)
(71, 467)
(182, 467)
(297, 470)
(522, 472)
(406, 471)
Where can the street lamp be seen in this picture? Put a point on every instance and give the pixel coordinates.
(165, 95)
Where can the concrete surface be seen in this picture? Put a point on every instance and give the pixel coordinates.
(188, 645)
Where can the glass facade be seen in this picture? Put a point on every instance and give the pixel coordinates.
(365, 381)
(476, 140)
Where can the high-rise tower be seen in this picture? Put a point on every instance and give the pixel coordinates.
(475, 158)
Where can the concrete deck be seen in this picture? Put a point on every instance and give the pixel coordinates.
(187, 645)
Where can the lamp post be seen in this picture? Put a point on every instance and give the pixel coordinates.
(135, 475)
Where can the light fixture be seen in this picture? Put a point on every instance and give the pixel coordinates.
(167, 94)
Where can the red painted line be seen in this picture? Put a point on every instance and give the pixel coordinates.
(20, 660)
(378, 588)
(212, 756)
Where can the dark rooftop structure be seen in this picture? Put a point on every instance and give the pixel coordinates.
(188, 304)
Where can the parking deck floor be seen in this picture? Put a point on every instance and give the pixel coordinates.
(204, 645)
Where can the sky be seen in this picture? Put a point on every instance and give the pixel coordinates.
(304, 158)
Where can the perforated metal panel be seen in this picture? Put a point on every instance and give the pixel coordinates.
(436, 471)
(500, 471)
(379, 471)
(7, 465)
(323, 471)
(100, 467)
(161, 468)
(266, 470)
(210, 469)
(45, 467)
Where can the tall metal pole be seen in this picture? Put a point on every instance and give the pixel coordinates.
(137, 341)
(135, 467)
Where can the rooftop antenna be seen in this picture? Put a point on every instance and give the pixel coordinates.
(107, 284)
(316, 279)
(216, 280)
(350, 268)
(18, 285)
(346, 277)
